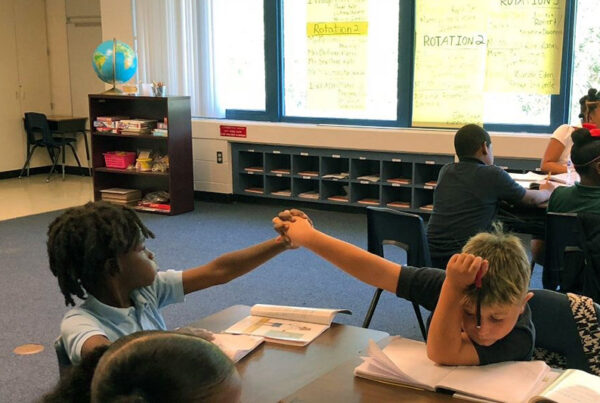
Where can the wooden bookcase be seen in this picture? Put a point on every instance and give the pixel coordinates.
(178, 180)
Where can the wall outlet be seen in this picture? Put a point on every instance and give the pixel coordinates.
(219, 157)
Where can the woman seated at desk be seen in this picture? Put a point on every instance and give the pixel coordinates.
(559, 148)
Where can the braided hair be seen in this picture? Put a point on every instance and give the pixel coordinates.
(585, 150)
(84, 243)
(588, 103)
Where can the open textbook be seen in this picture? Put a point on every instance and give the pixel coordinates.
(286, 324)
(404, 361)
(533, 180)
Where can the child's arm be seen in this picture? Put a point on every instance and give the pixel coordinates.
(446, 342)
(231, 265)
(357, 262)
(91, 343)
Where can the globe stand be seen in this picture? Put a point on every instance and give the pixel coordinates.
(114, 90)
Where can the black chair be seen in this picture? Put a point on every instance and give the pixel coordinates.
(563, 258)
(589, 239)
(61, 354)
(559, 326)
(407, 231)
(39, 135)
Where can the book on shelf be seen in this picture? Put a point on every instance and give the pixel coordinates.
(156, 206)
(370, 201)
(253, 169)
(400, 181)
(338, 198)
(369, 178)
(431, 183)
(291, 325)
(110, 118)
(404, 362)
(283, 171)
(254, 190)
(121, 194)
(120, 202)
(308, 173)
(282, 192)
(160, 132)
(427, 207)
(341, 175)
(311, 194)
(399, 204)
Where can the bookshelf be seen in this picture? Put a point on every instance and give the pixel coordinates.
(178, 180)
(402, 181)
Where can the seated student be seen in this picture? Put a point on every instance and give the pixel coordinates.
(559, 147)
(97, 252)
(151, 366)
(465, 200)
(584, 195)
(505, 333)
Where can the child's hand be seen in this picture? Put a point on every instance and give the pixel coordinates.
(290, 215)
(462, 270)
(295, 232)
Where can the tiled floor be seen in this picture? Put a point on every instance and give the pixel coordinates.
(33, 195)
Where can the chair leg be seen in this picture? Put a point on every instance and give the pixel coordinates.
(372, 307)
(75, 154)
(420, 320)
(63, 160)
(54, 161)
(29, 154)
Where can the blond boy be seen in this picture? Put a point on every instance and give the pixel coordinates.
(505, 333)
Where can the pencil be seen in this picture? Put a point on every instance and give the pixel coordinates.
(549, 176)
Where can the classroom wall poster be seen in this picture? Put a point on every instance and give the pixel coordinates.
(336, 33)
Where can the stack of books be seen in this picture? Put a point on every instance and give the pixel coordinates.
(129, 197)
(162, 129)
(108, 124)
(136, 126)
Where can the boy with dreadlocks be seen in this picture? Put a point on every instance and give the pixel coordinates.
(479, 303)
(97, 252)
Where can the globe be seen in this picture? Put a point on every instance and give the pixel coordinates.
(124, 66)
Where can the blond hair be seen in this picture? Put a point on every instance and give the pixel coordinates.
(507, 279)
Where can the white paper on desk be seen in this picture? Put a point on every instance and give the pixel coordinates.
(236, 346)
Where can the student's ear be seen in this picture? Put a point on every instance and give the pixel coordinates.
(484, 149)
(526, 299)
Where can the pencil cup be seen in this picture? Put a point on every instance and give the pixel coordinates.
(159, 91)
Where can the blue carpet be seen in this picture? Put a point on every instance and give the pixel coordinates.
(32, 305)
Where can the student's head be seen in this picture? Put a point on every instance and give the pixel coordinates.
(473, 141)
(585, 155)
(588, 105)
(503, 289)
(88, 244)
(161, 366)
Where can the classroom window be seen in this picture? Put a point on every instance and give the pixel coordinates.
(239, 53)
(340, 58)
(586, 70)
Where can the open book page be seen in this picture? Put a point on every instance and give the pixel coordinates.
(236, 346)
(401, 361)
(573, 386)
(278, 330)
(313, 315)
(564, 178)
(528, 177)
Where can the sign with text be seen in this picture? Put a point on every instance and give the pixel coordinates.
(232, 131)
(337, 32)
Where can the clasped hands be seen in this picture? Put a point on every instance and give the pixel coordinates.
(292, 226)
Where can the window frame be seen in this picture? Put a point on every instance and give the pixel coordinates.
(274, 77)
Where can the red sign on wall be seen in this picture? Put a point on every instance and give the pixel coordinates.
(233, 131)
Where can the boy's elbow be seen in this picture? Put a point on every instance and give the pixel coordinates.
(436, 355)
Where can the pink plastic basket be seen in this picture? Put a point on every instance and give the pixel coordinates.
(119, 159)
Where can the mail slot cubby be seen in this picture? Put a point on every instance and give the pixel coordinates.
(335, 166)
(278, 186)
(426, 174)
(305, 165)
(337, 192)
(367, 195)
(396, 197)
(423, 200)
(306, 189)
(364, 167)
(251, 161)
(399, 173)
(277, 163)
(251, 183)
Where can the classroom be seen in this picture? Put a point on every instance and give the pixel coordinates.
(410, 123)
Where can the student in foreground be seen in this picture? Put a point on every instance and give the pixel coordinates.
(151, 366)
(98, 254)
(465, 200)
(505, 331)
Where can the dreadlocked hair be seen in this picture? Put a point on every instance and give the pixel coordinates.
(84, 243)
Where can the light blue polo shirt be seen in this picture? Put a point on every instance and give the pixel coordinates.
(93, 317)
